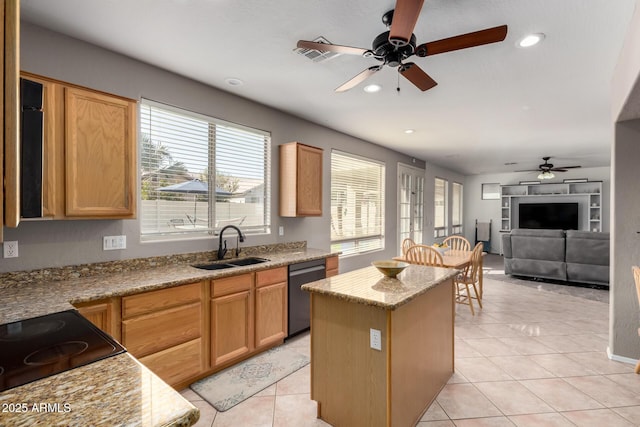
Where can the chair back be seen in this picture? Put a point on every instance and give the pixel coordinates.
(406, 244)
(457, 243)
(636, 277)
(474, 267)
(424, 255)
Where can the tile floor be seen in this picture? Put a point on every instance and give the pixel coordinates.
(531, 357)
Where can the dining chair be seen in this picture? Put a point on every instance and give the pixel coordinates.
(406, 244)
(636, 277)
(457, 243)
(469, 280)
(424, 255)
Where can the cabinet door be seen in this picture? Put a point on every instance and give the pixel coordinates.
(271, 314)
(309, 191)
(103, 314)
(100, 155)
(231, 327)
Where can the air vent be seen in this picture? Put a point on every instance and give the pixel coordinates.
(316, 55)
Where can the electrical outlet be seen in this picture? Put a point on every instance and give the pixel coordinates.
(11, 249)
(281, 230)
(110, 243)
(376, 339)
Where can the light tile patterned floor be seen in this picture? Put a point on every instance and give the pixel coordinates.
(531, 357)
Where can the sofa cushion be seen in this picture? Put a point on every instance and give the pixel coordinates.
(587, 247)
(536, 268)
(537, 232)
(536, 247)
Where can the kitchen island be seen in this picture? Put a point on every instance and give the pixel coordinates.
(357, 385)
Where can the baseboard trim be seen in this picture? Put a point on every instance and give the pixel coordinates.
(622, 359)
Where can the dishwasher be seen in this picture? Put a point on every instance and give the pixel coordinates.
(299, 302)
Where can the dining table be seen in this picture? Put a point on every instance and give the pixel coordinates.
(457, 259)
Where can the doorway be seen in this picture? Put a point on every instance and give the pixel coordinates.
(410, 204)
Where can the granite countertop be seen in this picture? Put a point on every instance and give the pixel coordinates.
(117, 390)
(369, 286)
(43, 297)
(110, 392)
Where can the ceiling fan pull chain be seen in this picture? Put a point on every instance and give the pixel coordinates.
(398, 87)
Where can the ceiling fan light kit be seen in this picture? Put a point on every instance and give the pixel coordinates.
(393, 47)
(546, 175)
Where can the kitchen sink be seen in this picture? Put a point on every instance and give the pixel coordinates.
(231, 264)
(214, 266)
(248, 261)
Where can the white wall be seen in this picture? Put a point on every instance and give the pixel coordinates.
(484, 210)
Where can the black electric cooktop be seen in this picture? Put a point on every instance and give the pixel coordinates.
(42, 346)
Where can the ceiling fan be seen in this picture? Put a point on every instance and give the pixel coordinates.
(392, 47)
(546, 169)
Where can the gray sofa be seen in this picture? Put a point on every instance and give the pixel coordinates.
(573, 256)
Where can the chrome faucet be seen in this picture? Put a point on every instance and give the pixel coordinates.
(222, 251)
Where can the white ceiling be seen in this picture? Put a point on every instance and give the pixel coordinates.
(494, 104)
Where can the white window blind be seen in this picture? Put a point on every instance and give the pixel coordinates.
(456, 208)
(440, 207)
(181, 154)
(357, 204)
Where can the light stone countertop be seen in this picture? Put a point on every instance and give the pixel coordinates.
(117, 390)
(370, 287)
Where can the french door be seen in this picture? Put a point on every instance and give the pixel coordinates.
(410, 204)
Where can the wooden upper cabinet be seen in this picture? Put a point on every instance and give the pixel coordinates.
(89, 147)
(300, 180)
(100, 155)
(10, 116)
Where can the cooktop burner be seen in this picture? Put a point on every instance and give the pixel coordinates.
(42, 346)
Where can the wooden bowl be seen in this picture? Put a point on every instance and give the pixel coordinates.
(390, 268)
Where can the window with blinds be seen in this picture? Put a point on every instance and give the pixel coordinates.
(456, 208)
(200, 174)
(440, 207)
(357, 204)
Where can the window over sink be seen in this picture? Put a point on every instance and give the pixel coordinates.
(200, 174)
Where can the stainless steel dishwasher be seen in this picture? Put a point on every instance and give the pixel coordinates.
(299, 305)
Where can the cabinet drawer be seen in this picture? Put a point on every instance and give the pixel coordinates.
(231, 285)
(147, 302)
(176, 364)
(163, 329)
(269, 277)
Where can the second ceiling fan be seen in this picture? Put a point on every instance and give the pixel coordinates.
(392, 47)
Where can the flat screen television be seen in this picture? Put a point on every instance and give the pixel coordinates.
(557, 216)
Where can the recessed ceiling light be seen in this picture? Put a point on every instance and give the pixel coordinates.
(531, 40)
(232, 81)
(409, 131)
(372, 88)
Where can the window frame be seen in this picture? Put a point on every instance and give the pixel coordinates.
(361, 243)
(214, 125)
(441, 230)
(457, 223)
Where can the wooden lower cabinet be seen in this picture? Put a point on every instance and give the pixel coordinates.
(231, 318)
(105, 314)
(332, 266)
(271, 306)
(164, 330)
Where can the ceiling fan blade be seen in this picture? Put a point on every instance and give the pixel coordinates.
(326, 47)
(529, 170)
(417, 76)
(405, 17)
(564, 168)
(359, 78)
(463, 41)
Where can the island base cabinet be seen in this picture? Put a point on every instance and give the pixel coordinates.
(356, 385)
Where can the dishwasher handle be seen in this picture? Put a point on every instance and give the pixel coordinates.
(306, 270)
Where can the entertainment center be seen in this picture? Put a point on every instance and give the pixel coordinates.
(575, 205)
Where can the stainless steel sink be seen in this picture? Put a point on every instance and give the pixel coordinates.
(248, 261)
(231, 264)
